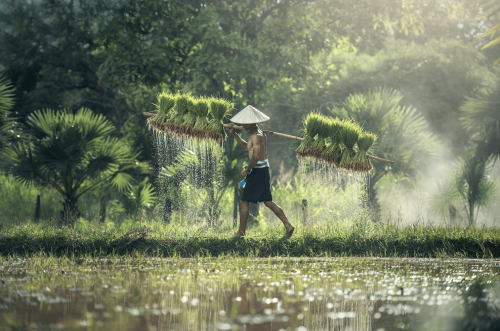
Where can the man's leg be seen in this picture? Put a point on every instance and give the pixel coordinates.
(244, 212)
(281, 215)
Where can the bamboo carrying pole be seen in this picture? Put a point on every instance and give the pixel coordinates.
(281, 135)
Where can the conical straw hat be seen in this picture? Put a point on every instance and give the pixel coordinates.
(249, 115)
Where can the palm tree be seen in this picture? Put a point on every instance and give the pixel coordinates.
(74, 154)
(481, 118)
(207, 167)
(475, 189)
(443, 202)
(403, 133)
(8, 126)
(490, 10)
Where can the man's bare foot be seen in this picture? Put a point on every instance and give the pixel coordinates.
(289, 230)
(239, 234)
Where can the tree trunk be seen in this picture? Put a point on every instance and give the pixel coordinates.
(37, 210)
(69, 212)
(453, 215)
(167, 210)
(471, 212)
(102, 211)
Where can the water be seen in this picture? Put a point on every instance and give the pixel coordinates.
(190, 174)
(250, 294)
(319, 173)
(341, 194)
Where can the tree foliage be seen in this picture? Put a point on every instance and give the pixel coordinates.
(8, 126)
(490, 12)
(404, 134)
(74, 154)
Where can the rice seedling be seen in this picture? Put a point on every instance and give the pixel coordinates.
(175, 120)
(181, 102)
(332, 152)
(324, 130)
(312, 128)
(349, 136)
(202, 109)
(365, 142)
(219, 108)
(165, 106)
(190, 118)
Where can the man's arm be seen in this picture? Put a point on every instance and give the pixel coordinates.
(243, 144)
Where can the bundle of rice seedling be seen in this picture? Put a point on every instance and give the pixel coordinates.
(365, 141)
(323, 131)
(219, 108)
(181, 103)
(176, 119)
(349, 136)
(201, 108)
(166, 102)
(190, 118)
(333, 151)
(312, 125)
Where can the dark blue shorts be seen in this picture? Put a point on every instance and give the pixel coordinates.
(258, 186)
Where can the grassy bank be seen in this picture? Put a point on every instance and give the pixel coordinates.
(154, 238)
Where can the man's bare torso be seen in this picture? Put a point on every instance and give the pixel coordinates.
(258, 138)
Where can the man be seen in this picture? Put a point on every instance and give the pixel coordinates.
(258, 185)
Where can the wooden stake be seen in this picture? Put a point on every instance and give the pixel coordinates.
(280, 135)
(304, 210)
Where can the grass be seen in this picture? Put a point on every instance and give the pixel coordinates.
(362, 238)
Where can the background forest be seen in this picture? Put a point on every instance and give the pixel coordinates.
(76, 76)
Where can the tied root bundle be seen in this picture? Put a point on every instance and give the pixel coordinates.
(336, 142)
(187, 116)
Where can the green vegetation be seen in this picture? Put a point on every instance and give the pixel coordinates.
(362, 238)
(332, 141)
(344, 59)
(73, 154)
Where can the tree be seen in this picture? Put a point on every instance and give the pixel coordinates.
(235, 48)
(201, 166)
(481, 118)
(404, 134)
(489, 10)
(471, 186)
(8, 126)
(73, 154)
(443, 202)
(475, 189)
(46, 53)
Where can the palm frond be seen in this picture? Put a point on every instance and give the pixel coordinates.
(6, 96)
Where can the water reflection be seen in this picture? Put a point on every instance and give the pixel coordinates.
(244, 294)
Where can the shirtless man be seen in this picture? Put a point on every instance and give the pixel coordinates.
(258, 185)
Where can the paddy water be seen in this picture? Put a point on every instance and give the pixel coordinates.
(249, 294)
